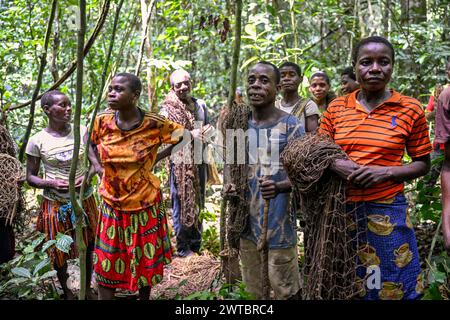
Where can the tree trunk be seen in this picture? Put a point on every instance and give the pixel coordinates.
(230, 264)
(101, 89)
(237, 49)
(55, 46)
(34, 98)
(146, 15)
(76, 204)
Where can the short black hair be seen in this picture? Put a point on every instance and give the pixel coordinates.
(372, 39)
(133, 80)
(48, 98)
(320, 74)
(275, 69)
(349, 71)
(293, 65)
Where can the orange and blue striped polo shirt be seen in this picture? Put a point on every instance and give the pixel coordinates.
(377, 138)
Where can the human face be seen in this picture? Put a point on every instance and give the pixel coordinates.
(290, 80)
(319, 87)
(348, 85)
(181, 84)
(120, 95)
(373, 66)
(60, 110)
(262, 87)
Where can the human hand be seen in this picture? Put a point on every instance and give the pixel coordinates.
(197, 134)
(269, 188)
(59, 185)
(98, 169)
(344, 167)
(367, 176)
(229, 190)
(79, 181)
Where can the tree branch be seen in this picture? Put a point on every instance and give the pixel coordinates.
(38, 82)
(79, 212)
(100, 92)
(72, 68)
(237, 46)
(145, 26)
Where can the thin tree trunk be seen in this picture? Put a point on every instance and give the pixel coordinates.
(280, 22)
(124, 40)
(146, 15)
(68, 73)
(100, 92)
(38, 82)
(237, 49)
(55, 46)
(230, 263)
(294, 29)
(76, 205)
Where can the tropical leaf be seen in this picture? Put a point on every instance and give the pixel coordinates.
(47, 245)
(44, 263)
(21, 272)
(63, 242)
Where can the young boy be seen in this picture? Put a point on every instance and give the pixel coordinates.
(269, 129)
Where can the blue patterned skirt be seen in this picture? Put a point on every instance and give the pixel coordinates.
(388, 259)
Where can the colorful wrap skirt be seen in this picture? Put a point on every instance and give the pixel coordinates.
(132, 247)
(388, 266)
(56, 217)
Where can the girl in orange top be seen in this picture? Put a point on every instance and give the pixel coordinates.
(132, 239)
(374, 126)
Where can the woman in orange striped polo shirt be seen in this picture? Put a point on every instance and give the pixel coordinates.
(374, 126)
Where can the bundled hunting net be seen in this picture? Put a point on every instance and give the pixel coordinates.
(331, 232)
(185, 276)
(11, 200)
(184, 169)
(236, 176)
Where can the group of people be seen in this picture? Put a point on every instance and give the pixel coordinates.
(127, 233)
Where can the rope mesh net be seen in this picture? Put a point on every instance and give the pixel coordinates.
(332, 232)
(11, 200)
(237, 206)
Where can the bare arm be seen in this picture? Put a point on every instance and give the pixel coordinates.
(445, 184)
(367, 176)
(34, 180)
(164, 153)
(95, 161)
(311, 123)
(430, 116)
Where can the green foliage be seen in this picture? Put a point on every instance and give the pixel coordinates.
(226, 292)
(210, 241)
(210, 236)
(28, 275)
(439, 278)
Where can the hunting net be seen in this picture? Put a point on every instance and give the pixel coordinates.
(237, 206)
(186, 276)
(11, 200)
(331, 231)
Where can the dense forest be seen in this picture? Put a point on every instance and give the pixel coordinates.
(39, 43)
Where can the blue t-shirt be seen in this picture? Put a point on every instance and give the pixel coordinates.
(265, 146)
